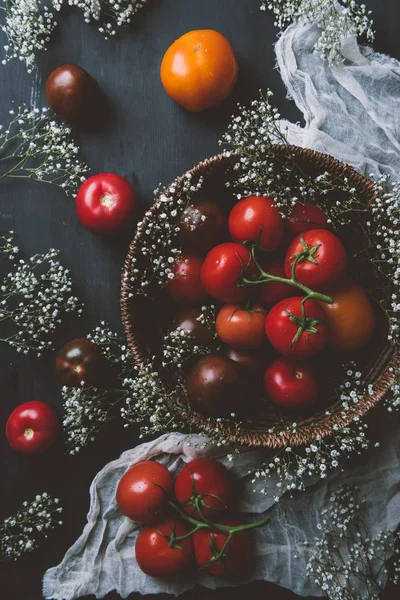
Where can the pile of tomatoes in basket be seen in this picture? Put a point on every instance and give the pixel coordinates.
(189, 518)
(282, 295)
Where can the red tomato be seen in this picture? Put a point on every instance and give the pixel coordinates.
(257, 219)
(142, 492)
(32, 427)
(290, 384)
(207, 543)
(303, 218)
(284, 324)
(272, 292)
(206, 482)
(186, 286)
(156, 555)
(241, 327)
(322, 259)
(106, 203)
(222, 270)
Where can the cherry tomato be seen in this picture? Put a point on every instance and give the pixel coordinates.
(142, 492)
(207, 543)
(290, 384)
(32, 427)
(106, 204)
(322, 259)
(273, 291)
(203, 225)
(72, 92)
(216, 386)
(351, 317)
(222, 270)
(187, 319)
(241, 327)
(156, 556)
(284, 324)
(257, 219)
(79, 361)
(186, 286)
(303, 218)
(206, 484)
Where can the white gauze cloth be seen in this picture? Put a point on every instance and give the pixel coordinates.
(351, 112)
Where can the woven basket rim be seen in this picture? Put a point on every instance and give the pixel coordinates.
(267, 439)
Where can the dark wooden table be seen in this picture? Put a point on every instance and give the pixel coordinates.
(148, 139)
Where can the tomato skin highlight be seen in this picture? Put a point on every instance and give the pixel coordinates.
(330, 259)
(257, 219)
(274, 291)
(241, 328)
(237, 551)
(186, 287)
(290, 384)
(303, 218)
(106, 204)
(32, 427)
(207, 478)
(222, 269)
(351, 317)
(281, 330)
(142, 492)
(154, 555)
(199, 69)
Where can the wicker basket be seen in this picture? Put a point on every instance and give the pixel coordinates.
(267, 428)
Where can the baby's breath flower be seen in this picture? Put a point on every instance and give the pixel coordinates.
(335, 21)
(35, 146)
(19, 533)
(33, 299)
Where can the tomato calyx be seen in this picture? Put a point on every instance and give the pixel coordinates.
(306, 254)
(303, 323)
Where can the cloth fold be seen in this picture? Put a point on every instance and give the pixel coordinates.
(351, 112)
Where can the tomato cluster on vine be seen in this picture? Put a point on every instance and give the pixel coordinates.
(189, 518)
(282, 293)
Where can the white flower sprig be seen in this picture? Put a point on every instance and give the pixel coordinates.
(158, 232)
(34, 146)
(294, 466)
(19, 533)
(34, 298)
(335, 21)
(28, 24)
(348, 563)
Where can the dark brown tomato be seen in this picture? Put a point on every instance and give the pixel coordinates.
(216, 386)
(203, 225)
(80, 361)
(187, 319)
(71, 92)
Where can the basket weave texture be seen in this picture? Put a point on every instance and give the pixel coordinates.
(267, 429)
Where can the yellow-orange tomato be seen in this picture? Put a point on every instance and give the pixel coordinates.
(350, 318)
(199, 70)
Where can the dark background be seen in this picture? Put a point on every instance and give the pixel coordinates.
(148, 139)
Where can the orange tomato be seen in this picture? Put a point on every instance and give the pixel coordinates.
(351, 318)
(199, 70)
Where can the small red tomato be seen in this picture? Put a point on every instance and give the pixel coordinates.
(321, 259)
(303, 218)
(290, 384)
(142, 492)
(257, 219)
(222, 270)
(274, 291)
(32, 427)
(79, 361)
(106, 204)
(292, 337)
(208, 543)
(186, 287)
(156, 553)
(206, 484)
(241, 327)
